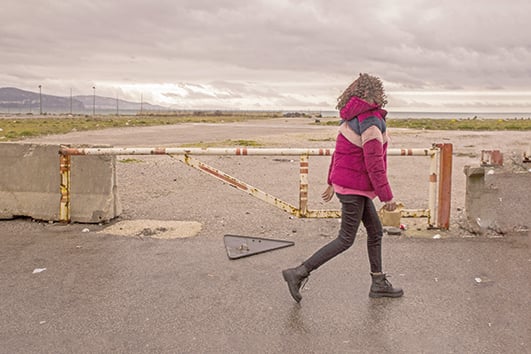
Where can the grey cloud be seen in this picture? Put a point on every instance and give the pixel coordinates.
(271, 47)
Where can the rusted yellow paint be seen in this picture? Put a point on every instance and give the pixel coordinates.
(64, 169)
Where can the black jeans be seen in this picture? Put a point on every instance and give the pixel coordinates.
(354, 209)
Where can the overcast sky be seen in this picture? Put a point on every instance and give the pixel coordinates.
(451, 55)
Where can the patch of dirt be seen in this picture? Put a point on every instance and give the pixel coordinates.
(160, 229)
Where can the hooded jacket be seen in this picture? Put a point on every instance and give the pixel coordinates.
(359, 161)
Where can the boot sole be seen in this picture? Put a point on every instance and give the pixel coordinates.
(376, 295)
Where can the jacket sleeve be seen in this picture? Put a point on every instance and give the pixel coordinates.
(375, 162)
(330, 169)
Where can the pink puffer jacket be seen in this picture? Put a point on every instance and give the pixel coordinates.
(360, 158)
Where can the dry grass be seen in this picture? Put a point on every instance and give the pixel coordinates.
(18, 128)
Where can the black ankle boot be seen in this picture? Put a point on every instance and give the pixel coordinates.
(294, 278)
(381, 287)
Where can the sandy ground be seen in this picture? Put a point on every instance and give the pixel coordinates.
(160, 187)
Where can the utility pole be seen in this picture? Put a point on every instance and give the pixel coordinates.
(70, 101)
(94, 100)
(40, 99)
(141, 102)
(117, 106)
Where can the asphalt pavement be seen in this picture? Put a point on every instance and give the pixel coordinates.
(68, 291)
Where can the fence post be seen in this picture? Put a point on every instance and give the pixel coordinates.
(445, 186)
(303, 188)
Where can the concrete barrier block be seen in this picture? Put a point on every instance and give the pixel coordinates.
(94, 195)
(497, 199)
(29, 181)
(30, 184)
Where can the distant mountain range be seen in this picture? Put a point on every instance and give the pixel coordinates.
(14, 100)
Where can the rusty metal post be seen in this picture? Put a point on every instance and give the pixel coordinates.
(445, 186)
(491, 158)
(303, 186)
(64, 169)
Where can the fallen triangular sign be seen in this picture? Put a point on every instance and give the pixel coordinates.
(244, 246)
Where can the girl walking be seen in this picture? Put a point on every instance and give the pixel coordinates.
(357, 174)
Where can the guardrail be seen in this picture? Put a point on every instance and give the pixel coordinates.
(437, 213)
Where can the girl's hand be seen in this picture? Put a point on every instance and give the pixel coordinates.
(328, 194)
(390, 206)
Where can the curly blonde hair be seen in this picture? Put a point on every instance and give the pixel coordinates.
(367, 87)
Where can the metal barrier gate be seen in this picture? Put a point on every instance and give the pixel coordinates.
(440, 176)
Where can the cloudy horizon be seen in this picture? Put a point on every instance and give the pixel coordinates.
(472, 56)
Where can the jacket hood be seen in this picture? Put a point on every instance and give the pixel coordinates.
(356, 107)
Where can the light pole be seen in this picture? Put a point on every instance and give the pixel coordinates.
(94, 101)
(40, 99)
